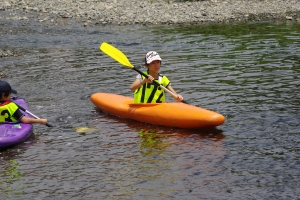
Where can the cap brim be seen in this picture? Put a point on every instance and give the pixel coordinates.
(14, 91)
(152, 59)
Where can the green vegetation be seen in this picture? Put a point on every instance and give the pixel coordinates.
(13, 171)
(12, 174)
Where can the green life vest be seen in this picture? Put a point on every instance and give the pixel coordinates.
(151, 93)
(7, 110)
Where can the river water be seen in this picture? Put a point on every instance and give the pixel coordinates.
(247, 72)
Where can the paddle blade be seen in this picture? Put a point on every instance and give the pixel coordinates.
(116, 54)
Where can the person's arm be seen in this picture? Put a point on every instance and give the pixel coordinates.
(179, 97)
(20, 117)
(28, 120)
(138, 82)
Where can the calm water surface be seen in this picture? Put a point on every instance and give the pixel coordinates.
(249, 73)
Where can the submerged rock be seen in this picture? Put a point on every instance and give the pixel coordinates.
(8, 53)
(2, 75)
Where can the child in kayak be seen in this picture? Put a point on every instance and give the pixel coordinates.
(144, 89)
(9, 111)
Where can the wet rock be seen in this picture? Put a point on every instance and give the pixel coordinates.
(2, 75)
(7, 53)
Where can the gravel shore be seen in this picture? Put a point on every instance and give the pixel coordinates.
(124, 12)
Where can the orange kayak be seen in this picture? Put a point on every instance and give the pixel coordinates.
(175, 114)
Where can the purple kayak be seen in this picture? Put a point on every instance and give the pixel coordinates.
(13, 133)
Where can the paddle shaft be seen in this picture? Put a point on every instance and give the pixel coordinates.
(36, 117)
(160, 85)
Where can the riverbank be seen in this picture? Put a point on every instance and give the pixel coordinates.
(124, 12)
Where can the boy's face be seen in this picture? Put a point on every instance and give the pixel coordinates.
(154, 66)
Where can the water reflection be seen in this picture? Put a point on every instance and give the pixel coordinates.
(156, 155)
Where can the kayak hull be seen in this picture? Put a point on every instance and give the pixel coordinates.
(173, 114)
(12, 134)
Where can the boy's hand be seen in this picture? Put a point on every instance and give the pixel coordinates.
(178, 98)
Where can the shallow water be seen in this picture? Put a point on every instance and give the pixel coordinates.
(248, 72)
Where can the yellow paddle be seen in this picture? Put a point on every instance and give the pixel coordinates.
(117, 55)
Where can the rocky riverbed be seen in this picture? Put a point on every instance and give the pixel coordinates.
(124, 12)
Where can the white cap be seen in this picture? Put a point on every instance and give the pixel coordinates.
(151, 56)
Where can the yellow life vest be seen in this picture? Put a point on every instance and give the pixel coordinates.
(151, 93)
(7, 110)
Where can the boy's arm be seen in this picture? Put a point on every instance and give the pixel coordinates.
(20, 117)
(179, 97)
(28, 120)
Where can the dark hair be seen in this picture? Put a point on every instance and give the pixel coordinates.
(5, 94)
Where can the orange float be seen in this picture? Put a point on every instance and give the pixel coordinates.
(174, 114)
